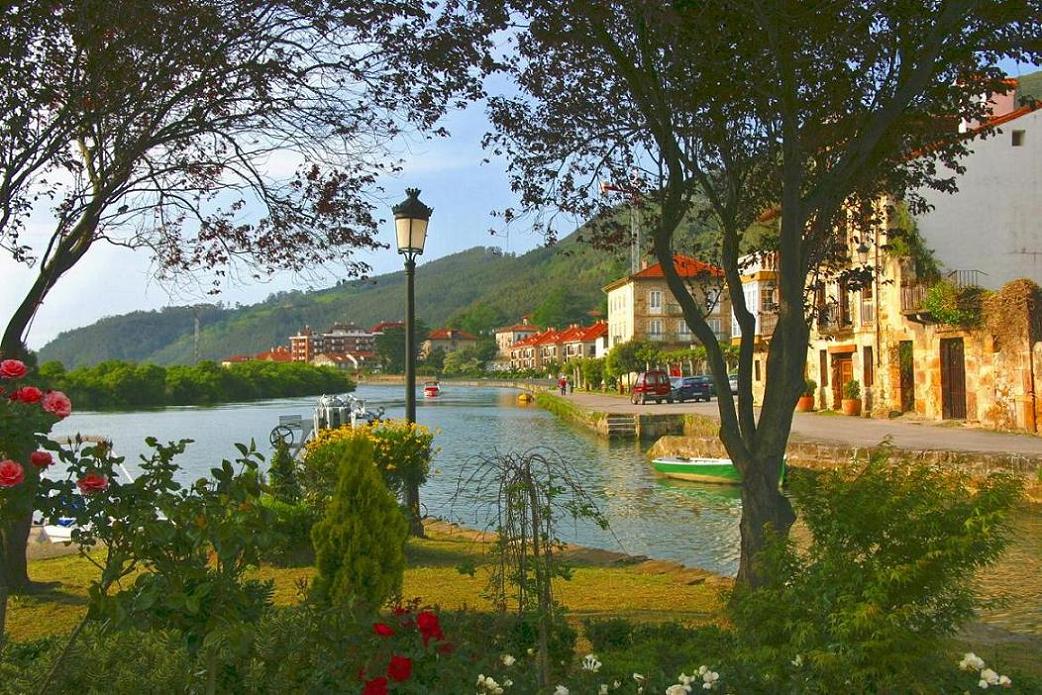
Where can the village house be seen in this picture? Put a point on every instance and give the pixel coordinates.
(340, 338)
(447, 340)
(642, 307)
(552, 348)
(508, 336)
(344, 360)
(583, 341)
(944, 330)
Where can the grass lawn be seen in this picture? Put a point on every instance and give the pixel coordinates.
(603, 584)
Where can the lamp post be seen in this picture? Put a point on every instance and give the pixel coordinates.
(862, 253)
(410, 226)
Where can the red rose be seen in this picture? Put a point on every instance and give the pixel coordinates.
(446, 648)
(383, 629)
(41, 459)
(377, 686)
(400, 668)
(27, 394)
(11, 473)
(429, 627)
(92, 482)
(12, 369)
(57, 403)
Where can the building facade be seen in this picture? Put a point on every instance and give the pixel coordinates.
(642, 307)
(339, 339)
(507, 336)
(446, 339)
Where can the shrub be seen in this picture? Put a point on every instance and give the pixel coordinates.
(360, 541)
(886, 577)
(282, 475)
(852, 390)
(291, 525)
(402, 453)
(810, 388)
(609, 633)
(954, 305)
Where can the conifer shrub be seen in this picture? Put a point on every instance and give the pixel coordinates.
(360, 541)
(282, 476)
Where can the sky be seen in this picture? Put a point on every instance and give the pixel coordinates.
(449, 171)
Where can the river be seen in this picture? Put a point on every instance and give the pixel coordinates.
(696, 525)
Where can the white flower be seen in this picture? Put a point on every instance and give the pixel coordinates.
(798, 661)
(507, 660)
(1005, 682)
(561, 690)
(983, 683)
(638, 677)
(990, 676)
(685, 679)
(531, 651)
(971, 662)
(702, 669)
(709, 679)
(678, 689)
(590, 663)
(616, 685)
(507, 683)
(481, 679)
(707, 686)
(603, 690)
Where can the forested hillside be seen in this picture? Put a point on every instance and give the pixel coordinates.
(475, 289)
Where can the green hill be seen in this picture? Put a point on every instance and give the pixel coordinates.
(475, 289)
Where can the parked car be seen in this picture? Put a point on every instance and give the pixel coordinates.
(732, 381)
(692, 388)
(651, 386)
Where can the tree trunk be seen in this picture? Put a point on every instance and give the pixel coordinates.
(15, 539)
(765, 511)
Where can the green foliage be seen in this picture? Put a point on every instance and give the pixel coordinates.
(390, 346)
(282, 475)
(360, 541)
(904, 241)
(592, 369)
(291, 525)
(953, 305)
(631, 356)
(810, 387)
(115, 384)
(480, 317)
(187, 549)
(887, 575)
(851, 390)
(560, 307)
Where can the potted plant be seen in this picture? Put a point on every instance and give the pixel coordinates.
(806, 402)
(852, 398)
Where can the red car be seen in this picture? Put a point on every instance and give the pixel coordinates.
(651, 386)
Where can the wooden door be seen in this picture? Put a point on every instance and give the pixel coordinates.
(842, 372)
(953, 379)
(907, 370)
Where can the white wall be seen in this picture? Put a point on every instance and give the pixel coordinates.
(994, 222)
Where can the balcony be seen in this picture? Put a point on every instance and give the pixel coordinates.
(913, 296)
(767, 321)
(833, 319)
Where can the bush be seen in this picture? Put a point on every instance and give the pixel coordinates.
(609, 633)
(886, 577)
(810, 388)
(402, 453)
(291, 526)
(282, 475)
(360, 541)
(950, 304)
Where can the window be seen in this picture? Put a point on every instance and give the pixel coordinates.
(682, 329)
(655, 301)
(655, 327)
(823, 368)
(756, 369)
(1018, 138)
(714, 325)
(870, 367)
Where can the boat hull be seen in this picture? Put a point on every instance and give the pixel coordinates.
(716, 471)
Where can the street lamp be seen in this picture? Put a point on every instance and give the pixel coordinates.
(410, 226)
(862, 253)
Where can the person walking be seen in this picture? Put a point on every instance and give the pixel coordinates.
(562, 384)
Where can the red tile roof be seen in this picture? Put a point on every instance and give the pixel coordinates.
(520, 328)
(384, 325)
(449, 334)
(279, 354)
(687, 267)
(238, 358)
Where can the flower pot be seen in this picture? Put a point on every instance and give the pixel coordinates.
(851, 406)
(805, 404)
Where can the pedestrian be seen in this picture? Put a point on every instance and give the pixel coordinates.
(562, 384)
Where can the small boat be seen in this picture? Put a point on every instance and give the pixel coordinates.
(525, 398)
(703, 470)
(431, 389)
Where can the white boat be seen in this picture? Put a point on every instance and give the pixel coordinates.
(431, 389)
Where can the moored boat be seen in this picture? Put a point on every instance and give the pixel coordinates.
(431, 389)
(703, 470)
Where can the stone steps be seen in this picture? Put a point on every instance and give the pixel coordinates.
(622, 426)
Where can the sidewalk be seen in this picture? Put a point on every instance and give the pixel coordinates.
(852, 431)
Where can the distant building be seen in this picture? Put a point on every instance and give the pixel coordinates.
(446, 339)
(344, 360)
(339, 339)
(508, 335)
(276, 354)
(379, 328)
(235, 359)
(642, 307)
(552, 348)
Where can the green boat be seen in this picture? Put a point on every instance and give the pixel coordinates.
(703, 470)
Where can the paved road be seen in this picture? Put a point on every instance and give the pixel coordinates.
(850, 430)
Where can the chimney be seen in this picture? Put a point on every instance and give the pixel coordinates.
(644, 263)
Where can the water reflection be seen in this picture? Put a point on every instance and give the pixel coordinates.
(691, 523)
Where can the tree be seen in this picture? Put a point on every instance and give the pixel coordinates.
(390, 346)
(156, 125)
(812, 112)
